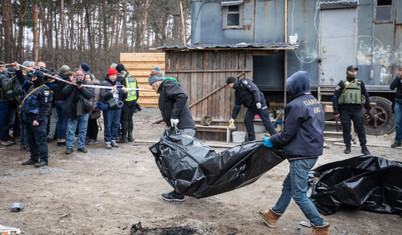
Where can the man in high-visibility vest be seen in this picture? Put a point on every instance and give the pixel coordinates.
(130, 104)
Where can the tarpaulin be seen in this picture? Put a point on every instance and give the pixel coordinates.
(194, 169)
(367, 182)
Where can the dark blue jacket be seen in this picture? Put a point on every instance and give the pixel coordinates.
(302, 133)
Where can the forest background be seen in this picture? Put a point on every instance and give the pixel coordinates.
(71, 32)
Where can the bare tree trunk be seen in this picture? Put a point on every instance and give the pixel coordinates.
(90, 39)
(62, 24)
(145, 25)
(35, 32)
(72, 25)
(20, 47)
(7, 19)
(124, 26)
(105, 32)
(116, 23)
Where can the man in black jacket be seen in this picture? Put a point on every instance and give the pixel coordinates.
(77, 111)
(36, 106)
(248, 94)
(175, 111)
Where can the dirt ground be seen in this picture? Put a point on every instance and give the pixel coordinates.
(108, 191)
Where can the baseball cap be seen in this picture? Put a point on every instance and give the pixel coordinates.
(351, 68)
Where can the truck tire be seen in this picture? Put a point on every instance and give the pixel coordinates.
(382, 119)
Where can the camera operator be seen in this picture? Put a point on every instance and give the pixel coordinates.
(77, 107)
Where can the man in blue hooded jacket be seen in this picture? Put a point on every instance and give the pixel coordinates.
(302, 140)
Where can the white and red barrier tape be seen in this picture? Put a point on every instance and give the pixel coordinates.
(85, 85)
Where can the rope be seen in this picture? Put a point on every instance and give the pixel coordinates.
(84, 85)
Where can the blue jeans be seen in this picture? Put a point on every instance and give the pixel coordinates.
(398, 122)
(62, 122)
(82, 122)
(295, 186)
(4, 106)
(112, 124)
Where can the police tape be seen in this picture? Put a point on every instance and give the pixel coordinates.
(84, 85)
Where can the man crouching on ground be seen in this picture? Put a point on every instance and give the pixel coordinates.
(302, 140)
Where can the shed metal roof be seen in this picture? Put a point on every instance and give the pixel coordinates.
(273, 46)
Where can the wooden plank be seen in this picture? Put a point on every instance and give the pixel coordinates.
(140, 66)
(211, 127)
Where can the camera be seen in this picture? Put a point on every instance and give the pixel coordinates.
(79, 81)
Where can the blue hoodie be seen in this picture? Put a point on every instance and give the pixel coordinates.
(302, 133)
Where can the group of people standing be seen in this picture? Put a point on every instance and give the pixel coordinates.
(65, 105)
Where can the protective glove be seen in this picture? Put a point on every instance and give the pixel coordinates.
(267, 142)
(258, 105)
(231, 122)
(173, 122)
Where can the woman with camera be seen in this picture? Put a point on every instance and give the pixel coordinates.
(113, 98)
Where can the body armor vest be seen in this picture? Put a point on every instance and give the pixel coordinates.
(352, 94)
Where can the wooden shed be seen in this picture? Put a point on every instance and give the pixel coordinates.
(202, 72)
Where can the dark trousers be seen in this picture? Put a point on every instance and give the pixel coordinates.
(127, 118)
(92, 131)
(10, 120)
(37, 138)
(264, 115)
(353, 114)
(4, 107)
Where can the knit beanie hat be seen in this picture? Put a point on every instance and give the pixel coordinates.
(120, 67)
(85, 67)
(64, 69)
(112, 71)
(156, 75)
(113, 65)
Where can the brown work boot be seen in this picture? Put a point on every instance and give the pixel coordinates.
(320, 230)
(269, 217)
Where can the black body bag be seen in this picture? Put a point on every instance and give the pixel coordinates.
(194, 169)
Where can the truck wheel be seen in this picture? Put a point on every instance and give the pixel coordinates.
(382, 119)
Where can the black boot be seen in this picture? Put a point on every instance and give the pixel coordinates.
(347, 149)
(123, 139)
(365, 151)
(130, 137)
(41, 163)
(29, 162)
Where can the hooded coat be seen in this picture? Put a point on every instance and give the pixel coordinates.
(302, 134)
(173, 104)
